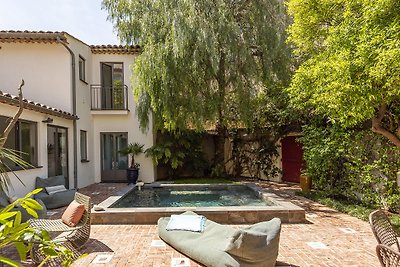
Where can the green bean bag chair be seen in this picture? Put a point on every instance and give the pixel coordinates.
(219, 245)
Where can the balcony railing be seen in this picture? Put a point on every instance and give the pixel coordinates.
(109, 98)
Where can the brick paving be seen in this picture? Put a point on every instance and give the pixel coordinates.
(130, 245)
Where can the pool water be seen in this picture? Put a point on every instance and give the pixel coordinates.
(191, 196)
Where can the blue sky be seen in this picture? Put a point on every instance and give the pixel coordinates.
(83, 19)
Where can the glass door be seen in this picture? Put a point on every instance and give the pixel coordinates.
(112, 83)
(57, 152)
(113, 163)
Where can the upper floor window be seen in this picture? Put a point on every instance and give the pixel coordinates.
(82, 69)
(22, 138)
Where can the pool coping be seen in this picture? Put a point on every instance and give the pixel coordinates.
(283, 209)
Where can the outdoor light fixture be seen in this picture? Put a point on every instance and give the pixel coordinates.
(48, 120)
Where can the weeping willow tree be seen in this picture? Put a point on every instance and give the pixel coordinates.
(202, 62)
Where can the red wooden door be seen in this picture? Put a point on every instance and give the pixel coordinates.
(292, 159)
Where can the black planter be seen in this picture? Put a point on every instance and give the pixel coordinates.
(132, 175)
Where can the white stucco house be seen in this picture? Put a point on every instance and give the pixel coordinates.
(79, 108)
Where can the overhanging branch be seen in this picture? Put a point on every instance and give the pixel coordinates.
(377, 126)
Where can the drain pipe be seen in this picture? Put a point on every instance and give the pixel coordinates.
(75, 136)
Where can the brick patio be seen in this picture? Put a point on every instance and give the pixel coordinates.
(340, 240)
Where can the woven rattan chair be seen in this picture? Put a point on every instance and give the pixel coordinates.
(383, 229)
(387, 256)
(77, 235)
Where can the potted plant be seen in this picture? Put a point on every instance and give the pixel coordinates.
(131, 151)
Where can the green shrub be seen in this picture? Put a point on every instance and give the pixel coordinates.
(325, 151)
(355, 164)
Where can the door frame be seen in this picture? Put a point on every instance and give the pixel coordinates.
(104, 97)
(66, 176)
(102, 156)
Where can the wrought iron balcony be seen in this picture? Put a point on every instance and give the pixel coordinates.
(109, 97)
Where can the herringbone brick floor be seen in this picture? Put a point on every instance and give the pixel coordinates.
(328, 238)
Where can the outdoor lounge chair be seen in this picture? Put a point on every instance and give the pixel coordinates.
(387, 256)
(383, 229)
(220, 245)
(77, 235)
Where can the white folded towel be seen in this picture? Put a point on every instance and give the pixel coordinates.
(194, 223)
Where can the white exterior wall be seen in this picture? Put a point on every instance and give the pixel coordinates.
(85, 170)
(28, 176)
(46, 69)
(109, 121)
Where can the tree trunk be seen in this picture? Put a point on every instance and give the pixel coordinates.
(379, 129)
(219, 160)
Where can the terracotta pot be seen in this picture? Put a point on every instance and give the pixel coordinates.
(305, 183)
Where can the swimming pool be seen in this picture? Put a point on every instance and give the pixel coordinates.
(192, 196)
(223, 203)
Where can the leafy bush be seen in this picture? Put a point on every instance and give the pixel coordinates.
(325, 150)
(15, 233)
(355, 164)
(178, 152)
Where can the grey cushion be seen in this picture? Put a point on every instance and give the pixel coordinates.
(210, 247)
(257, 244)
(51, 181)
(58, 199)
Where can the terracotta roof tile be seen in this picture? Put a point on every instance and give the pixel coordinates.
(31, 37)
(115, 49)
(35, 106)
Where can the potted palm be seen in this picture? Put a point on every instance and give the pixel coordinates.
(132, 150)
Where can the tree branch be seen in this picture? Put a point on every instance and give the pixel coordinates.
(14, 120)
(377, 126)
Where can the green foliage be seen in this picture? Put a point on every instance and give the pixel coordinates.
(372, 168)
(325, 149)
(179, 150)
(10, 155)
(163, 153)
(254, 153)
(132, 150)
(20, 235)
(355, 164)
(201, 58)
(350, 58)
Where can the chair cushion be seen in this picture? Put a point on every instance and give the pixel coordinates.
(54, 189)
(73, 214)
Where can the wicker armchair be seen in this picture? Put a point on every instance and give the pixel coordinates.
(77, 235)
(387, 256)
(383, 229)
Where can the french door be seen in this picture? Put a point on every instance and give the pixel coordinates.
(112, 83)
(113, 164)
(57, 152)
